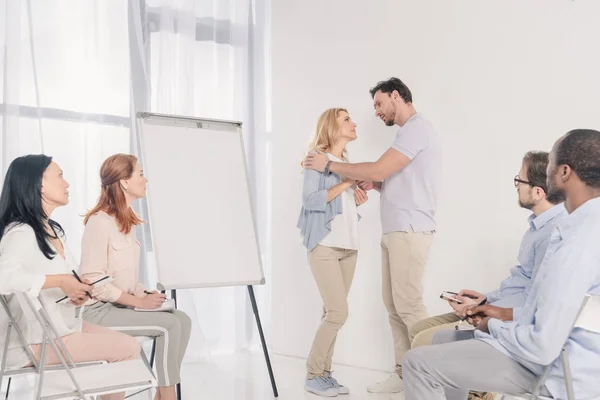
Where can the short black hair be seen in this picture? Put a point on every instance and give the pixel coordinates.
(390, 85)
(21, 200)
(537, 164)
(580, 150)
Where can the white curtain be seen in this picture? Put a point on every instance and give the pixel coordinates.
(64, 91)
(74, 73)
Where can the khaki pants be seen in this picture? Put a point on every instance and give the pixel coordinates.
(404, 256)
(422, 332)
(333, 270)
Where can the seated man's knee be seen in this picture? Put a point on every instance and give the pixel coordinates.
(422, 338)
(419, 357)
(417, 328)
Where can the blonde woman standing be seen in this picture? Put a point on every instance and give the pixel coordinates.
(329, 225)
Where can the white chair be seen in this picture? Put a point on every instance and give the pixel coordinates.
(588, 318)
(69, 380)
(142, 340)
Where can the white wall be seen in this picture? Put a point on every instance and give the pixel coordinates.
(497, 78)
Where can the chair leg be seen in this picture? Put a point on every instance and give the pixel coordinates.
(152, 353)
(8, 388)
(567, 372)
(145, 360)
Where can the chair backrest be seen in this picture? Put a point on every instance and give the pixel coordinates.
(589, 315)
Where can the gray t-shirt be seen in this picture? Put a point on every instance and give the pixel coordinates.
(409, 197)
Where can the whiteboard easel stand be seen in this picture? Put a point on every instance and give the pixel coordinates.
(260, 332)
(199, 123)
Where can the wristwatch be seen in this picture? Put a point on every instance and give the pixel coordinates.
(326, 171)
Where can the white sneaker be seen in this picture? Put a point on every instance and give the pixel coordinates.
(393, 384)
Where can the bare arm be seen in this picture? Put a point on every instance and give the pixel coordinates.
(148, 301)
(316, 199)
(338, 189)
(129, 300)
(389, 163)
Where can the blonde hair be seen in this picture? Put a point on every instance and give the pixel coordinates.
(327, 130)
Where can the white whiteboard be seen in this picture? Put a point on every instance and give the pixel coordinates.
(200, 213)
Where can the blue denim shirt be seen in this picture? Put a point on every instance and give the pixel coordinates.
(514, 290)
(316, 214)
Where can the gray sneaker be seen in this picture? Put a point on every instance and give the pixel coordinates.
(341, 389)
(320, 386)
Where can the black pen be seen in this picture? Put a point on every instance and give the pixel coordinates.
(100, 280)
(77, 277)
(147, 292)
(480, 304)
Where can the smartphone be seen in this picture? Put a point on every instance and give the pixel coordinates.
(463, 327)
(450, 296)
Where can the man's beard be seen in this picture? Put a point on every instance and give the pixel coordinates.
(557, 195)
(527, 206)
(554, 192)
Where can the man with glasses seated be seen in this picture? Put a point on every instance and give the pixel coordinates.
(513, 346)
(547, 211)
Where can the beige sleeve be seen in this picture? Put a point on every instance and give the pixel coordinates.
(94, 257)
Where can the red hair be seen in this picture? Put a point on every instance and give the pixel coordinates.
(112, 198)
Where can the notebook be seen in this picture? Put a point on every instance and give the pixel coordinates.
(168, 305)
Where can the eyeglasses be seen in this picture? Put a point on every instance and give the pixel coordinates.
(517, 180)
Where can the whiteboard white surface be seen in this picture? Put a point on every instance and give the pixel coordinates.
(199, 204)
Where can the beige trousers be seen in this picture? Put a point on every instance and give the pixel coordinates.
(333, 270)
(404, 257)
(94, 343)
(422, 332)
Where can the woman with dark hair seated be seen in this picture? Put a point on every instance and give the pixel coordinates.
(35, 260)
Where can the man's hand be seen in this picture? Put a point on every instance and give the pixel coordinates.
(503, 314)
(316, 161)
(483, 325)
(360, 196)
(461, 309)
(366, 185)
(476, 296)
